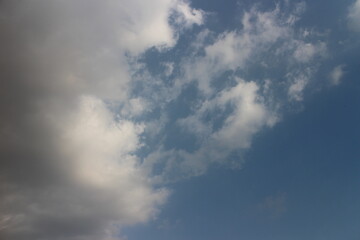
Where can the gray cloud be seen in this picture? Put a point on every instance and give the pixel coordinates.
(68, 167)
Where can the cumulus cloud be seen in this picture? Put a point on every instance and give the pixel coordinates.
(98, 183)
(69, 168)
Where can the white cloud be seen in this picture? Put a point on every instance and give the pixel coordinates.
(100, 182)
(100, 146)
(336, 75)
(169, 68)
(188, 16)
(354, 16)
(224, 120)
(234, 49)
(298, 84)
(248, 116)
(134, 107)
(101, 151)
(305, 52)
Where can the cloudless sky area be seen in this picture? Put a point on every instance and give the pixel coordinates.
(180, 120)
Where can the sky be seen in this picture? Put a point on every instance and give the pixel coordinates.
(179, 119)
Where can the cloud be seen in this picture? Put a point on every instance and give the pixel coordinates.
(222, 126)
(248, 115)
(234, 49)
(298, 84)
(232, 105)
(97, 182)
(186, 16)
(354, 16)
(336, 75)
(266, 39)
(68, 142)
(306, 51)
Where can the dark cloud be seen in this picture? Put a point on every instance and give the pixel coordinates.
(54, 53)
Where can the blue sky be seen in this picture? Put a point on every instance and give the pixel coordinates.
(174, 119)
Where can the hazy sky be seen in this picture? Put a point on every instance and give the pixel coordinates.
(179, 119)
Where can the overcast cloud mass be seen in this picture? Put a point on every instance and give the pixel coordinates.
(105, 104)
